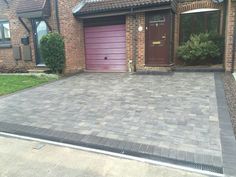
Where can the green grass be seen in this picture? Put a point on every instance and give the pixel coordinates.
(13, 83)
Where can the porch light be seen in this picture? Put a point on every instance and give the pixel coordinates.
(200, 10)
(140, 28)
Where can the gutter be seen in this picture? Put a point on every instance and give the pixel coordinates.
(124, 10)
(56, 8)
(134, 41)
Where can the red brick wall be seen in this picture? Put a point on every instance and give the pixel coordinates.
(17, 31)
(72, 31)
(230, 24)
(139, 39)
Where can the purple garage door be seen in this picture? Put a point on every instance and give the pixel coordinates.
(105, 48)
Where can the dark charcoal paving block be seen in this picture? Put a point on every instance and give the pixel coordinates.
(135, 147)
(61, 134)
(121, 145)
(157, 151)
(71, 138)
(47, 134)
(102, 141)
(143, 148)
(38, 130)
(199, 158)
(165, 152)
(23, 128)
(150, 149)
(230, 171)
(208, 159)
(173, 154)
(217, 161)
(181, 155)
(108, 142)
(114, 143)
(127, 146)
(190, 156)
(94, 139)
(6, 127)
(85, 139)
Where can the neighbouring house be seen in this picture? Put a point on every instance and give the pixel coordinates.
(111, 35)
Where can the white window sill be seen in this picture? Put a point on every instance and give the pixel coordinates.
(41, 65)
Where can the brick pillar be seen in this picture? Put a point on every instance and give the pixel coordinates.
(72, 31)
(140, 39)
(176, 36)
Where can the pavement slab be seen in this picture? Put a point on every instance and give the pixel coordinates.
(20, 158)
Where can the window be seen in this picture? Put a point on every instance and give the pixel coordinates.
(157, 19)
(5, 35)
(200, 22)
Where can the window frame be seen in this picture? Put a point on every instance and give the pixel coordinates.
(4, 40)
(205, 15)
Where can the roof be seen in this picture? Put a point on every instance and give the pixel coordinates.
(96, 6)
(29, 6)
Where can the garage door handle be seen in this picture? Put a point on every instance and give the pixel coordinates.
(105, 58)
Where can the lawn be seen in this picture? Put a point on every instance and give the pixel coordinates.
(13, 83)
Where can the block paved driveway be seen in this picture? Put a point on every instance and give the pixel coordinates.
(173, 116)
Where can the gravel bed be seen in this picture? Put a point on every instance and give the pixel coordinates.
(230, 91)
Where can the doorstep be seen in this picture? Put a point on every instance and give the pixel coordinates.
(155, 70)
(39, 70)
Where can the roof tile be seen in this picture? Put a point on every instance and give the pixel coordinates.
(107, 5)
(30, 5)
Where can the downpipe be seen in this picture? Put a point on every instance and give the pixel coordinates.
(56, 9)
(134, 40)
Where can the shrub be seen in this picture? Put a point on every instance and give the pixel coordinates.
(53, 52)
(200, 49)
(219, 40)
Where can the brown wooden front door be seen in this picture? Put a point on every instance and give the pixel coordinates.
(157, 39)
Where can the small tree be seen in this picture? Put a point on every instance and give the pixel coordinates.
(53, 52)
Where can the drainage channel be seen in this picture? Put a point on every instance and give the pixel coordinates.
(176, 164)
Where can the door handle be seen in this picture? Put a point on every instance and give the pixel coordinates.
(105, 58)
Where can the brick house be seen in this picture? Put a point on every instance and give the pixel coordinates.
(111, 35)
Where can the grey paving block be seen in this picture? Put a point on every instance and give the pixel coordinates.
(151, 111)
